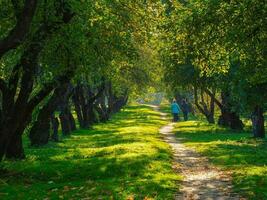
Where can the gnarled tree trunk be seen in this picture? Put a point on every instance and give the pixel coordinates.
(228, 117)
(18, 34)
(205, 106)
(40, 131)
(14, 123)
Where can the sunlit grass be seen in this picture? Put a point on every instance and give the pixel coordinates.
(122, 158)
(236, 152)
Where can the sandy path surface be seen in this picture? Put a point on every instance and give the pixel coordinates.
(201, 180)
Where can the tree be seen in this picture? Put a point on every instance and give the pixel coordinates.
(17, 34)
(61, 41)
(223, 42)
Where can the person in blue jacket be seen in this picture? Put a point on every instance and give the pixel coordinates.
(175, 108)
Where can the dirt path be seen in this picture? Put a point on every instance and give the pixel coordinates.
(201, 180)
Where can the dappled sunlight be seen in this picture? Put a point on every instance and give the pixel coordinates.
(122, 157)
(244, 156)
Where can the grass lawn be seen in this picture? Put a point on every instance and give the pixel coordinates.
(245, 157)
(121, 159)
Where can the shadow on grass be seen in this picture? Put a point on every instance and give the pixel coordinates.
(234, 151)
(120, 158)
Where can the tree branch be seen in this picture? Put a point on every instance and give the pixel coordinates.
(98, 94)
(208, 92)
(17, 35)
(48, 87)
(196, 102)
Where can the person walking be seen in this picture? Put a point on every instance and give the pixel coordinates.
(175, 110)
(185, 109)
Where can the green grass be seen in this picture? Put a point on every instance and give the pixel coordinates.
(244, 157)
(121, 159)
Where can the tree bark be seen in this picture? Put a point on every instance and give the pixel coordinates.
(14, 124)
(17, 35)
(55, 125)
(229, 118)
(40, 132)
(65, 113)
(77, 104)
(15, 148)
(65, 123)
(72, 121)
(207, 111)
(257, 119)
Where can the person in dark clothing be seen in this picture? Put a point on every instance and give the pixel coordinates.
(185, 109)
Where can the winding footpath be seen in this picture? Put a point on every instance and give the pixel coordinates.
(201, 180)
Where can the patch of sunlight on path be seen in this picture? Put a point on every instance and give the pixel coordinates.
(201, 180)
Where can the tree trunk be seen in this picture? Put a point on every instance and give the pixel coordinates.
(207, 111)
(40, 132)
(23, 22)
(210, 118)
(80, 105)
(66, 119)
(257, 119)
(55, 125)
(3, 142)
(102, 108)
(65, 123)
(14, 131)
(84, 101)
(15, 147)
(119, 103)
(15, 123)
(77, 105)
(91, 115)
(235, 122)
(86, 123)
(223, 119)
(72, 121)
(229, 118)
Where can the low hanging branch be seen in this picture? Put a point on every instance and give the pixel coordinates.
(17, 35)
(208, 92)
(203, 108)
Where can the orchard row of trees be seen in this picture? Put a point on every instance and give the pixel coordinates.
(217, 51)
(61, 56)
